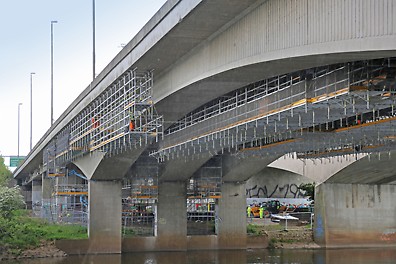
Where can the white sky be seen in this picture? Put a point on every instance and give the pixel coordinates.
(25, 45)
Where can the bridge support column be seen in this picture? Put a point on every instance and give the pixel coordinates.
(104, 198)
(37, 192)
(231, 217)
(104, 207)
(355, 215)
(46, 189)
(172, 216)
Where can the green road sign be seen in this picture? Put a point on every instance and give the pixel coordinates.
(15, 161)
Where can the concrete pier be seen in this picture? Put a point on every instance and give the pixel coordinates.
(355, 215)
(104, 198)
(231, 220)
(172, 216)
(104, 225)
(46, 187)
(36, 193)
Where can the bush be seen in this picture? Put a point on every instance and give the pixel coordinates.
(10, 201)
(18, 235)
(5, 173)
(20, 232)
(309, 189)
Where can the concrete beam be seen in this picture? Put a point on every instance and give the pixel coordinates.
(181, 169)
(319, 169)
(376, 168)
(96, 166)
(236, 169)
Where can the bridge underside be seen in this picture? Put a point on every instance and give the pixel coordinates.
(325, 113)
(242, 91)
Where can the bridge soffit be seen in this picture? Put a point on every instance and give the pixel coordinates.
(256, 47)
(374, 168)
(317, 169)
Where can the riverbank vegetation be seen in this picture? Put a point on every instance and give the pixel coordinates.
(19, 231)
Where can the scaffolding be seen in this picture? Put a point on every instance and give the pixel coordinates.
(280, 113)
(122, 117)
(326, 111)
(203, 192)
(68, 201)
(139, 198)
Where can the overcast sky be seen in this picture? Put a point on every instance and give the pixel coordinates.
(25, 47)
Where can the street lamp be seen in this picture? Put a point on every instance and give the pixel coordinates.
(52, 70)
(19, 115)
(93, 39)
(31, 107)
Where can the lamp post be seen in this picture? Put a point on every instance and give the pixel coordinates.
(93, 39)
(52, 70)
(19, 115)
(31, 107)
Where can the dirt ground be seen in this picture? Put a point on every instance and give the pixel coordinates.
(46, 249)
(295, 236)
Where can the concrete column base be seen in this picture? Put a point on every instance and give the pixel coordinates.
(104, 208)
(231, 221)
(172, 216)
(355, 215)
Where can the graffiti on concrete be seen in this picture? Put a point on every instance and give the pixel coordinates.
(285, 191)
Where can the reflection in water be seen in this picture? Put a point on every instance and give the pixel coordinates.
(295, 256)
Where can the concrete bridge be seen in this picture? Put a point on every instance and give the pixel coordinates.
(245, 82)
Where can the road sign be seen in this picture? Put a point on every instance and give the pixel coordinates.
(15, 160)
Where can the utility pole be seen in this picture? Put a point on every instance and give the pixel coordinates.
(93, 39)
(31, 108)
(52, 70)
(19, 117)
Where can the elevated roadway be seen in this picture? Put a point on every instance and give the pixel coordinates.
(192, 52)
(198, 53)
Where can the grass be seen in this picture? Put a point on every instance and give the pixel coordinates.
(254, 230)
(128, 232)
(21, 232)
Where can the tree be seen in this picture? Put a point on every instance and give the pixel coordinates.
(5, 173)
(11, 199)
(309, 189)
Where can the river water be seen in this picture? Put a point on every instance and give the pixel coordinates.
(290, 256)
